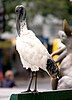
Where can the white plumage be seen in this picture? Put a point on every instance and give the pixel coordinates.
(32, 52)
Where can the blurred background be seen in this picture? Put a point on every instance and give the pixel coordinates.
(45, 18)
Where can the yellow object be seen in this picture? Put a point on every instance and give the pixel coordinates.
(56, 43)
(13, 41)
(5, 44)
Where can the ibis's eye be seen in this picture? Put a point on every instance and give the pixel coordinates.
(17, 11)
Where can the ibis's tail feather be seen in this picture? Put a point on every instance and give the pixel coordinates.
(53, 69)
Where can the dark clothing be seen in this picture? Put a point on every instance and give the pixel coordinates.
(7, 67)
(7, 83)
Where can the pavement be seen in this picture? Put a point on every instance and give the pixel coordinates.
(43, 85)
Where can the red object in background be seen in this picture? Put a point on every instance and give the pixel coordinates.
(1, 76)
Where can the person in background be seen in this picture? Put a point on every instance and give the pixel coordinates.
(1, 78)
(1, 71)
(1, 66)
(7, 65)
(8, 81)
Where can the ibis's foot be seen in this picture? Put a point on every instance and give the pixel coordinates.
(28, 91)
(35, 91)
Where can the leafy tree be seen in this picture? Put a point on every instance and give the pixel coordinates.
(60, 8)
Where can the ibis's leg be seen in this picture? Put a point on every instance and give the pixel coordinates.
(35, 75)
(28, 90)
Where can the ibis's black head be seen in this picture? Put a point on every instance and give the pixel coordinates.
(20, 12)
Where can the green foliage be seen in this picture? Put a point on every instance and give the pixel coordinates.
(60, 8)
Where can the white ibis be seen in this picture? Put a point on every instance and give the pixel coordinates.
(32, 52)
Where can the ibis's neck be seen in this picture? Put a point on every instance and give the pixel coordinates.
(23, 25)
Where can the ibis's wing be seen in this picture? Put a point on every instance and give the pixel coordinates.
(33, 51)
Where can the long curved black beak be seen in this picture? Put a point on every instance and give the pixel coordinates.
(18, 27)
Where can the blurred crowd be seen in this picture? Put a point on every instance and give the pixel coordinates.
(8, 80)
(6, 68)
